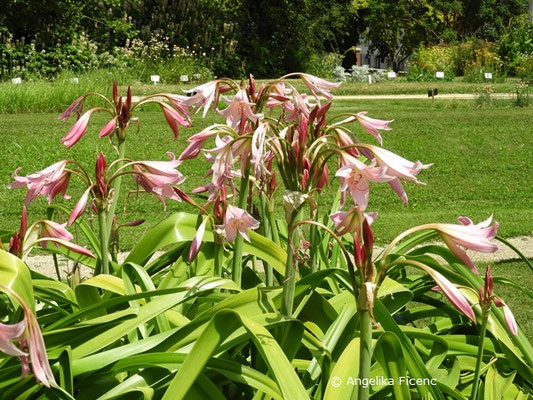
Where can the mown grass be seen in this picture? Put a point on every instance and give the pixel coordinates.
(54, 96)
(480, 156)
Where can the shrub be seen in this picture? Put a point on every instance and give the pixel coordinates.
(474, 58)
(428, 60)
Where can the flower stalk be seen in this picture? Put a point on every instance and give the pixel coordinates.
(480, 351)
(237, 247)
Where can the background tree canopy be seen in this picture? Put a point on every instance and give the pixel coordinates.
(266, 38)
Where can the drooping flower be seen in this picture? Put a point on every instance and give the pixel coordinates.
(319, 86)
(397, 167)
(239, 221)
(197, 141)
(49, 182)
(372, 125)
(352, 220)
(356, 175)
(259, 150)
(174, 118)
(28, 332)
(451, 292)
(238, 110)
(470, 236)
(78, 130)
(109, 127)
(202, 96)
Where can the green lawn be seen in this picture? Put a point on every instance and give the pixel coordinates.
(44, 96)
(480, 156)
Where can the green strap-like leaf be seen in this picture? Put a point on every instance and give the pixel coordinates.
(388, 352)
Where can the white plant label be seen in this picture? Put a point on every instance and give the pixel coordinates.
(184, 78)
(391, 74)
(155, 79)
(488, 75)
(74, 80)
(439, 74)
(16, 81)
(370, 79)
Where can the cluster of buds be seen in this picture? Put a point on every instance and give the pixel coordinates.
(486, 298)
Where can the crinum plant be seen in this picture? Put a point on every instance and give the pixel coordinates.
(270, 290)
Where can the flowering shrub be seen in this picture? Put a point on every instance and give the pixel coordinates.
(428, 60)
(237, 303)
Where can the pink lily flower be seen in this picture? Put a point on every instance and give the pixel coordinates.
(174, 118)
(236, 221)
(319, 86)
(452, 293)
(49, 182)
(8, 333)
(76, 105)
(469, 236)
(163, 168)
(352, 220)
(343, 139)
(509, 317)
(355, 176)
(258, 146)
(372, 125)
(28, 332)
(203, 96)
(398, 166)
(51, 229)
(78, 129)
(197, 141)
(238, 110)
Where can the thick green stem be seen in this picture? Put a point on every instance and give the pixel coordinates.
(265, 219)
(237, 246)
(103, 267)
(117, 183)
(480, 350)
(365, 352)
(289, 283)
(219, 256)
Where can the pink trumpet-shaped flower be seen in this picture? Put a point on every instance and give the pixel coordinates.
(238, 110)
(9, 333)
(78, 129)
(197, 240)
(79, 208)
(398, 166)
(174, 118)
(236, 221)
(469, 236)
(351, 220)
(372, 125)
(203, 96)
(109, 127)
(49, 182)
(343, 140)
(163, 168)
(51, 229)
(258, 150)
(508, 314)
(355, 176)
(452, 293)
(75, 106)
(28, 332)
(197, 141)
(319, 86)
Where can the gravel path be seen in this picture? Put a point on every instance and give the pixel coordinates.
(45, 265)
